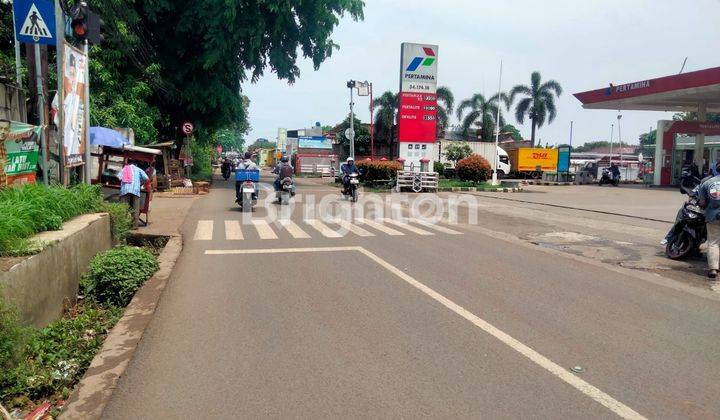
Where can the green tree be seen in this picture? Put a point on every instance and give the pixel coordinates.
(513, 131)
(230, 139)
(457, 151)
(482, 113)
(693, 116)
(538, 104)
(262, 144)
(446, 101)
(362, 137)
(386, 116)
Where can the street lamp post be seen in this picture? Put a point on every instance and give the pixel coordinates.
(351, 86)
(497, 132)
(620, 142)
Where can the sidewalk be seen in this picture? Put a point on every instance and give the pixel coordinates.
(167, 214)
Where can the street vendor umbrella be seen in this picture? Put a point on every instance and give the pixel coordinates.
(101, 136)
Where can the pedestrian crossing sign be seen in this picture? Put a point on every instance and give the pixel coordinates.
(34, 21)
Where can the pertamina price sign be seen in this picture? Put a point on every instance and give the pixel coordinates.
(418, 117)
(418, 101)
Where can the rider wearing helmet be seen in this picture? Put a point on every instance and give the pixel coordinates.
(248, 165)
(283, 170)
(346, 169)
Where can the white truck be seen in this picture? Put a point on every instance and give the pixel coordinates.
(484, 149)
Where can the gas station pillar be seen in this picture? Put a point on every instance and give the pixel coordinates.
(700, 139)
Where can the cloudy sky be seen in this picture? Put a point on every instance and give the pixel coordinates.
(583, 45)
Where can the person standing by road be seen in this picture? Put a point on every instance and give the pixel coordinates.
(709, 197)
(131, 178)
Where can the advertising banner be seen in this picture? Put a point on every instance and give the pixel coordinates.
(74, 124)
(19, 150)
(281, 139)
(314, 142)
(418, 68)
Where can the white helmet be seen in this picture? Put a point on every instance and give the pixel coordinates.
(349, 159)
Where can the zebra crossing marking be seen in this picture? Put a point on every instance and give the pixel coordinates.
(264, 229)
(204, 230)
(233, 232)
(323, 228)
(407, 226)
(437, 227)
(379, 226)
(294, 230)
(352, 228)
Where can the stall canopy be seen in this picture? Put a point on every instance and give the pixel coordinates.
(676, 93)
(101, 136)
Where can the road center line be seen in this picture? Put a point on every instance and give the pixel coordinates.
(571, 379)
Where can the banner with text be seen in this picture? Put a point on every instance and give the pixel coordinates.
(417, 116)
(19, 150)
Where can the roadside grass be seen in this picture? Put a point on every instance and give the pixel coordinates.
(29, 209)
(45, 364)
(456, 183)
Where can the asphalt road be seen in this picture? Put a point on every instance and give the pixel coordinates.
(300, 319)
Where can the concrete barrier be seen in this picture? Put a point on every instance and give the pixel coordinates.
(41, 285)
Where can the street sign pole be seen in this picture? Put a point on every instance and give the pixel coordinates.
(41, 112)
(372, 127)
(88, 156)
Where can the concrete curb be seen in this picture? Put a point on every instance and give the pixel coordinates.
(556, 184)
(93, 392)
(474, 189)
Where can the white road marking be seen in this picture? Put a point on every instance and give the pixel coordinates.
(323, 228)
(437, 227)
(353, 228)
(204, 230)
(407, 226)
(264, 229)
(294, 229)
(379, 226)
(233, 232)
(558, 371)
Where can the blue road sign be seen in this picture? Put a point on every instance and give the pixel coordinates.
(35, 21)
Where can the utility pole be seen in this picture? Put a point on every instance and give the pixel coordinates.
(612, 130)
(571, 133)
(88, 156)
(372, 127)
(620, 142)
(18, 72)
(497, 131)
(41, 112)
(351, 86)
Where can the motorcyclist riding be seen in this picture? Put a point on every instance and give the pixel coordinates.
(249, 165)
(615, 171)
(226, 167)
(283, 170)
(346, 169)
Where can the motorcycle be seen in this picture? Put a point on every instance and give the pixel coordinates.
(287, 190)
(226, 170)
(245, 188)
(351, 191)
(689, 230)
(608, 178)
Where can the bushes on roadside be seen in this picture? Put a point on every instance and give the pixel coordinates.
(51, 360)
(115, 275)
(120, 220)
(32, 208)
(11, 337)
(378, 170)
(473, 168)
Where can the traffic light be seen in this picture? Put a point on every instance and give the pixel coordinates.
(79, 21)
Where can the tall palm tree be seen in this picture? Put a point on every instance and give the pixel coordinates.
(483, 112)
(386, 115)
(538, 104)
(446, 101)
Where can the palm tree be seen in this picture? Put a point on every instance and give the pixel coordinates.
(483, 112)
(444, 96)
(539, 103)
(386, 115)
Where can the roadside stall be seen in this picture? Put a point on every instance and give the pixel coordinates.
(114, 153)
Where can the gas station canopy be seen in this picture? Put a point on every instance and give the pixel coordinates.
(676, 93)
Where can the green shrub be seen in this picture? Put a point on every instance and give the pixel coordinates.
(115, 275)
(11, 337)
(439, 167)
(56, 357)
(202, 169)
(378, 170)
(120, 220)
(473, 168)
(32, 208)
